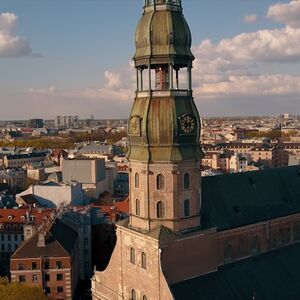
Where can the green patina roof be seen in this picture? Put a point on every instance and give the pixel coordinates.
(162, 233)
(160, 139)
(235, 200)
(163, 33)
(271, 276)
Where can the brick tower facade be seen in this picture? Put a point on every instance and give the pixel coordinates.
(164, 157)
(164, 124)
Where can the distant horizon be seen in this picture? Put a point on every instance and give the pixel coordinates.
(247, 57)
(126, 118)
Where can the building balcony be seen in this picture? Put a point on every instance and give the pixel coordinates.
(163, 93)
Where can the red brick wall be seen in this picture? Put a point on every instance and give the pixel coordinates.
(28, 272)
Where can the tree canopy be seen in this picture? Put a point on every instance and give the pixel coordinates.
(19, 291)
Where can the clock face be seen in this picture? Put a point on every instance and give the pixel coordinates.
(134, 126)
(187, 124)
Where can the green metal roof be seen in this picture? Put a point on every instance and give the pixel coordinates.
(160, 138)
(163, 33)
(235, 200)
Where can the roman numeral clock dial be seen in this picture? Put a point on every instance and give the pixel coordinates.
(187, 124)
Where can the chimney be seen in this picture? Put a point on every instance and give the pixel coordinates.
(41, 239)
(29, 231)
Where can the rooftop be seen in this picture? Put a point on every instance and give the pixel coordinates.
(60, 241)
(234, 200)
(270, 276)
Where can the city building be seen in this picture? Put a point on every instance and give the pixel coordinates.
(220, 237)
(19, 160)
(80, 220)
(95, 150)
(66, 121)
(13, 178)
(36, 123)
(90, 172)
(52, 194)
(12, 223)
(49, 259)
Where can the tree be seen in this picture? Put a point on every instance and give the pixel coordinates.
(19, 291)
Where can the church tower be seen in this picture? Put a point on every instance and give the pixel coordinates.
(164, 157)
(164, 124)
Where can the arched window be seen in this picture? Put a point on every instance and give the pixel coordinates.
(132, 255)
(160, 182)
(144, 297)
(136, 180)
(132, 295)
(186, 208)
(186, 181)
(160, 209)
(144, 260)
(137, 207)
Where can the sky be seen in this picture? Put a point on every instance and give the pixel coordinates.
(73, 57)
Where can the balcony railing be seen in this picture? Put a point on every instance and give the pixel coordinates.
(162, 93)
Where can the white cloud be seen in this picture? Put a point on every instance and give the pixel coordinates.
(11, 45)
(45, 91)
(250, 19)
(271, 46)
(232, 66)
(225, 70)
(256, 85)
(119, 86)
(287, 13)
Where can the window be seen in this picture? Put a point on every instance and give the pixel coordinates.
(227, 254)
(46, 265)
(47, 290)
(59, 289)
(47, 277)
(58, 264)
(186, 208)
(144, 260)
(22, 278)
(186, 181)
(34, 278)
(160, 182)
(8, 236)
(21, 267)
(136, 180)
(33, 265)
(160, 209)
(137, 207)
(59, 277)
(132, 255)
(144, 297)
(132, 295)
(255, 244)
(16, 237)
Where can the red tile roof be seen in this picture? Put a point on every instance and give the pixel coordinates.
(21, 215)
